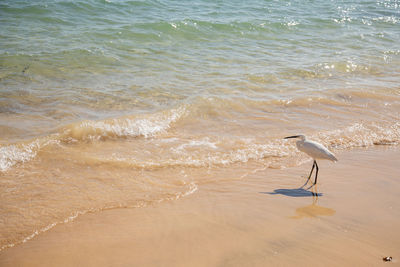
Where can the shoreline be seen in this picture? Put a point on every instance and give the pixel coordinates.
(262, 219)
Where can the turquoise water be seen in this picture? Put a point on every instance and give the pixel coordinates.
(113, 104)
(107, 58)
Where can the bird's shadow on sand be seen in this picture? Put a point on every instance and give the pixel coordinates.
(296, 192)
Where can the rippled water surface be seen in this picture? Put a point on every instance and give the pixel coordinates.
(107, 104)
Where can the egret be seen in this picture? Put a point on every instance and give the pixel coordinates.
(314, 150)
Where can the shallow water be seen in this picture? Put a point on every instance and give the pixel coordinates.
(109, 104)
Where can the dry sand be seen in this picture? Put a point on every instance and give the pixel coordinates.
(263, 219)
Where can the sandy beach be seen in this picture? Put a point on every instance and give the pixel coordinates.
(152, 133)
(263, 219)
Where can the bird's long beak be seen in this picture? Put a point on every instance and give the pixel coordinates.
(293, 136)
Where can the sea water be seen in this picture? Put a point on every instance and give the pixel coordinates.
(107, 104)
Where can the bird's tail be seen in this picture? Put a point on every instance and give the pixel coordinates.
(333, 158)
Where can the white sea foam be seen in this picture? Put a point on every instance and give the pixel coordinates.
(197, 143)
(147, 126)
(13, 154)
(361, 135)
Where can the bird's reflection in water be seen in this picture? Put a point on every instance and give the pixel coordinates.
(310, 211)
(313, 210)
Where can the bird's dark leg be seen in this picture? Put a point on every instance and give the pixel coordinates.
(312, 169)
(316, 173)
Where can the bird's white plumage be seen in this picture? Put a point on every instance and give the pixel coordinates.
(312, 148)
(315, 150)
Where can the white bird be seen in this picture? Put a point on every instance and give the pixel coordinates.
(314, 150)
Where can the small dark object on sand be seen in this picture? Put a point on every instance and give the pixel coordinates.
(387, 258)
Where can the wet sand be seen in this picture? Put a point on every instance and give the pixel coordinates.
(263, 219)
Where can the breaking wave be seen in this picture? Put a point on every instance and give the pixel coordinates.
(13, 154)
(146, 126)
